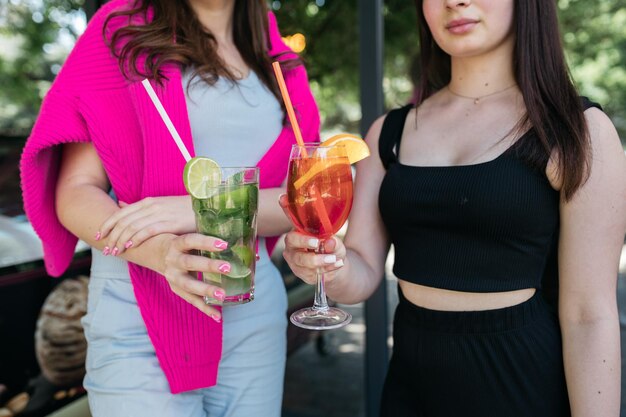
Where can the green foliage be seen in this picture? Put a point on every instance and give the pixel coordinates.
(33, 33)
(42, 31)
(595, 41)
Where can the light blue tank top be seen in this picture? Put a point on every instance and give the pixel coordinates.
(234, 124)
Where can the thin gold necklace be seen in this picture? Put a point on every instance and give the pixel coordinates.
(477, 99)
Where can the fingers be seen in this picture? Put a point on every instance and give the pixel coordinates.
(197, 241)
(128, 239)
(120, 236)
(283, 201)
(198, 300)
(178, 259)
(296, 240)
(180, 266)
(125, 210)
(313, 261)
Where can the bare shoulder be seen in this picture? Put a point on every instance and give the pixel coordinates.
(607, 153)
(602, 132)
(372, 139)
(373, 132)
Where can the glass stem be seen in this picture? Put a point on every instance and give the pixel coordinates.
(320, 303)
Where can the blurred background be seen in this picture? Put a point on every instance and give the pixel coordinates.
(324, 375)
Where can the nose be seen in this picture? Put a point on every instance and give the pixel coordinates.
(452, 4)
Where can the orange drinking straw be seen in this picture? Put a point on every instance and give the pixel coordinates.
(287, 100)
(318, 204)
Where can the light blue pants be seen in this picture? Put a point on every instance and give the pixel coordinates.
(124, 378)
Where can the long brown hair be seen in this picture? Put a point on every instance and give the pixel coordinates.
(553, 106)
(194, 45)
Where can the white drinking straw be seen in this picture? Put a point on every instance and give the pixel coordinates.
(166, 119)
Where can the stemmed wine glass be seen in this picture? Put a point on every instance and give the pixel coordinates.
(319, 199)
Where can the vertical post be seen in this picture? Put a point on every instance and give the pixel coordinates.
(371, 89)
(90, 7)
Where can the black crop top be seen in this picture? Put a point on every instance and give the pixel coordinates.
(486, 227)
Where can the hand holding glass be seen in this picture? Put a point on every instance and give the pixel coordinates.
(319, 194)
(229, 212)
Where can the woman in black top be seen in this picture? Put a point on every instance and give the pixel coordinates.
(499, 178)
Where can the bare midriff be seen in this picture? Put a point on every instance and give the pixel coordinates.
(448, 300)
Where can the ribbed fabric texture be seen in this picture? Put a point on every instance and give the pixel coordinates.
(505, 362)
(486, 227)
(90, 101)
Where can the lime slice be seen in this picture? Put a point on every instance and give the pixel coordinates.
(238, 269)
(200, 175)
(244, 253)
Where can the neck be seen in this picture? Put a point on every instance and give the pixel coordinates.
(216, 16)
(479, 76)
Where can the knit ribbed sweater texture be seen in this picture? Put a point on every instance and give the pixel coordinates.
(91, 101)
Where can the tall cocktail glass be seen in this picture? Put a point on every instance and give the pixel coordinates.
(229, 213)
(319, 199)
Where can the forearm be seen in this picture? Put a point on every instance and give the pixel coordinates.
(83, 208)
(354, 282)
(271, 220)
(591, 352)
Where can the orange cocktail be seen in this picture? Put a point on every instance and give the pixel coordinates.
(320, 192)
(319, 199)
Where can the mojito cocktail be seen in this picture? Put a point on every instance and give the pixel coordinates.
(226, 208)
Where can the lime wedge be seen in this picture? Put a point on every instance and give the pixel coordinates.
(200, 175)
(244, 254)
(238, 269)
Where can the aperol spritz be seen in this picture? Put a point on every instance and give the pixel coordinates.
(319, 199)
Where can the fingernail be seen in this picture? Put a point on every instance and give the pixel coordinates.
(339, 263)
(257, 257)
(115, 251)
(220, 244)
(106, 251)
(128, 244)
(330, 259)
(314, 243)
(219, 294)
(216, 317)
(224, 268)
(98, 236)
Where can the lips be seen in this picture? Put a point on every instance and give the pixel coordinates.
(461, 26)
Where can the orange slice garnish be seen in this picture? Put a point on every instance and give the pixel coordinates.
(356, 148)
(319, 166)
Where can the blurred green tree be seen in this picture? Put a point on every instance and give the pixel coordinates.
(38, 34)
(594, 38)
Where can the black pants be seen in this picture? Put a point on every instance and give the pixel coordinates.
(497, 363)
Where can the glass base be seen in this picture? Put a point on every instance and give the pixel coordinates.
(230, 300)
(320, 319)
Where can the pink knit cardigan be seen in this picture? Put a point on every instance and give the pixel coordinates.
(90, 101)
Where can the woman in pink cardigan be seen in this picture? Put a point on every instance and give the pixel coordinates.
(100, 163)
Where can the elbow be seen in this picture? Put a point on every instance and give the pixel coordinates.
(62, 204)
(588, 314)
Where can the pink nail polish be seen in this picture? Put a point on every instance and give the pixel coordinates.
(98, 236)
(106, 251)
(128, 244)
(219, 294)
(224, 268)
(115, 251)
(216, 317)
(220, 244)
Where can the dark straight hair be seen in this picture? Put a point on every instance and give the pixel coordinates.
(194, 45)
(553, 106)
